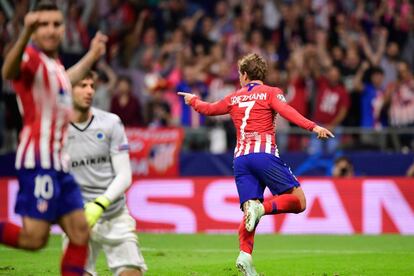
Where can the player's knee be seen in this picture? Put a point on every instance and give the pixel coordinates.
(38, 244)
(35, 241)
(79, 233)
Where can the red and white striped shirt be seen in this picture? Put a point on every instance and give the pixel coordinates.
(402, 105)
(44, 94)
(253, 110)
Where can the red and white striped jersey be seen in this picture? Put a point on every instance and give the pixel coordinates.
(253, 110)
(44, 94)
(402, 104)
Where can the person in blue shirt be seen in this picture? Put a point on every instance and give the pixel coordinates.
(371, 99)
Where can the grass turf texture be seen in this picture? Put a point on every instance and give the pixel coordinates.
(196, 255)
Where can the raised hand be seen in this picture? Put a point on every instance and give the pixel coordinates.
(98, 45)
(187, 96)
(31, 20)
(322, 132)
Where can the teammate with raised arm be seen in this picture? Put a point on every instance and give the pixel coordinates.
(47, 193)
(257, 165)
(100, 163)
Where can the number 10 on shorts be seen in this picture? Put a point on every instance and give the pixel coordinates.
(43, 187)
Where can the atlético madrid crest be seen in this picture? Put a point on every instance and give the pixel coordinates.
(42, 205)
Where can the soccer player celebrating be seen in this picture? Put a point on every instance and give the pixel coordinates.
(98, 148)
(257, 165)
(47, 193)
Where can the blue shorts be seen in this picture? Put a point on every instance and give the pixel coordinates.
(256, 171)
(47, 194)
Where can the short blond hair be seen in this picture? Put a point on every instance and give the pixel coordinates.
(254, 66)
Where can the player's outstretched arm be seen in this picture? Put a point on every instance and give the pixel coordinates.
(295, 117)
(123, 176)
(96, 50)
(210, 109)
(11, 65)
(322, 132)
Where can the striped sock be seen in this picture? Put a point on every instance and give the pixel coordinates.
(286, 203)
(74, 259)
(9, 234)
(246, 239)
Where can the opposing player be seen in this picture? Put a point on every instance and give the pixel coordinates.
(47, 193)
(98, 148)
(257, 165)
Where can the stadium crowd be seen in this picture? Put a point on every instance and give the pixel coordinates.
(341, 63)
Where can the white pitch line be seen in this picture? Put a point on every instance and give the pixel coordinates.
(300, 251)
(212, 250)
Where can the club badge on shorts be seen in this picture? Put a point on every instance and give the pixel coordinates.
(42, 205)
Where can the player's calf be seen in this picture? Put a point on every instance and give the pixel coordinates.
(32, 236)
(285, 203)
(246, 239)
(9, 234)
(76, 228)
(301, 196)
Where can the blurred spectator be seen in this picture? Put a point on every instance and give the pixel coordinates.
(105, 86)
(5, 37)
(297, 93)
(396, 17)
(192, 83)
(375, 54)
(401, 97)
(372, 97)
(126, 105)
(117, 20)
(158, 111)
(332, 103)
(389, 63)
(349, 70)
(139, 47)
(222, 84)
(76, 39)
(222, 24)
(173, 11)
(343, 168)
(292, 82)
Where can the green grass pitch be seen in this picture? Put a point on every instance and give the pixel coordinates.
(196, 255)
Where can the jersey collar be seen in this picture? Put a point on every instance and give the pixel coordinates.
(250, 85)
(86, 127)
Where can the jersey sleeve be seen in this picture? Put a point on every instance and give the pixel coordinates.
(220, 107)
(278, 103)
(119, 141)
(29, 64)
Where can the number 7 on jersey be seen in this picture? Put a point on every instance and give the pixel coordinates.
(249, 105)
